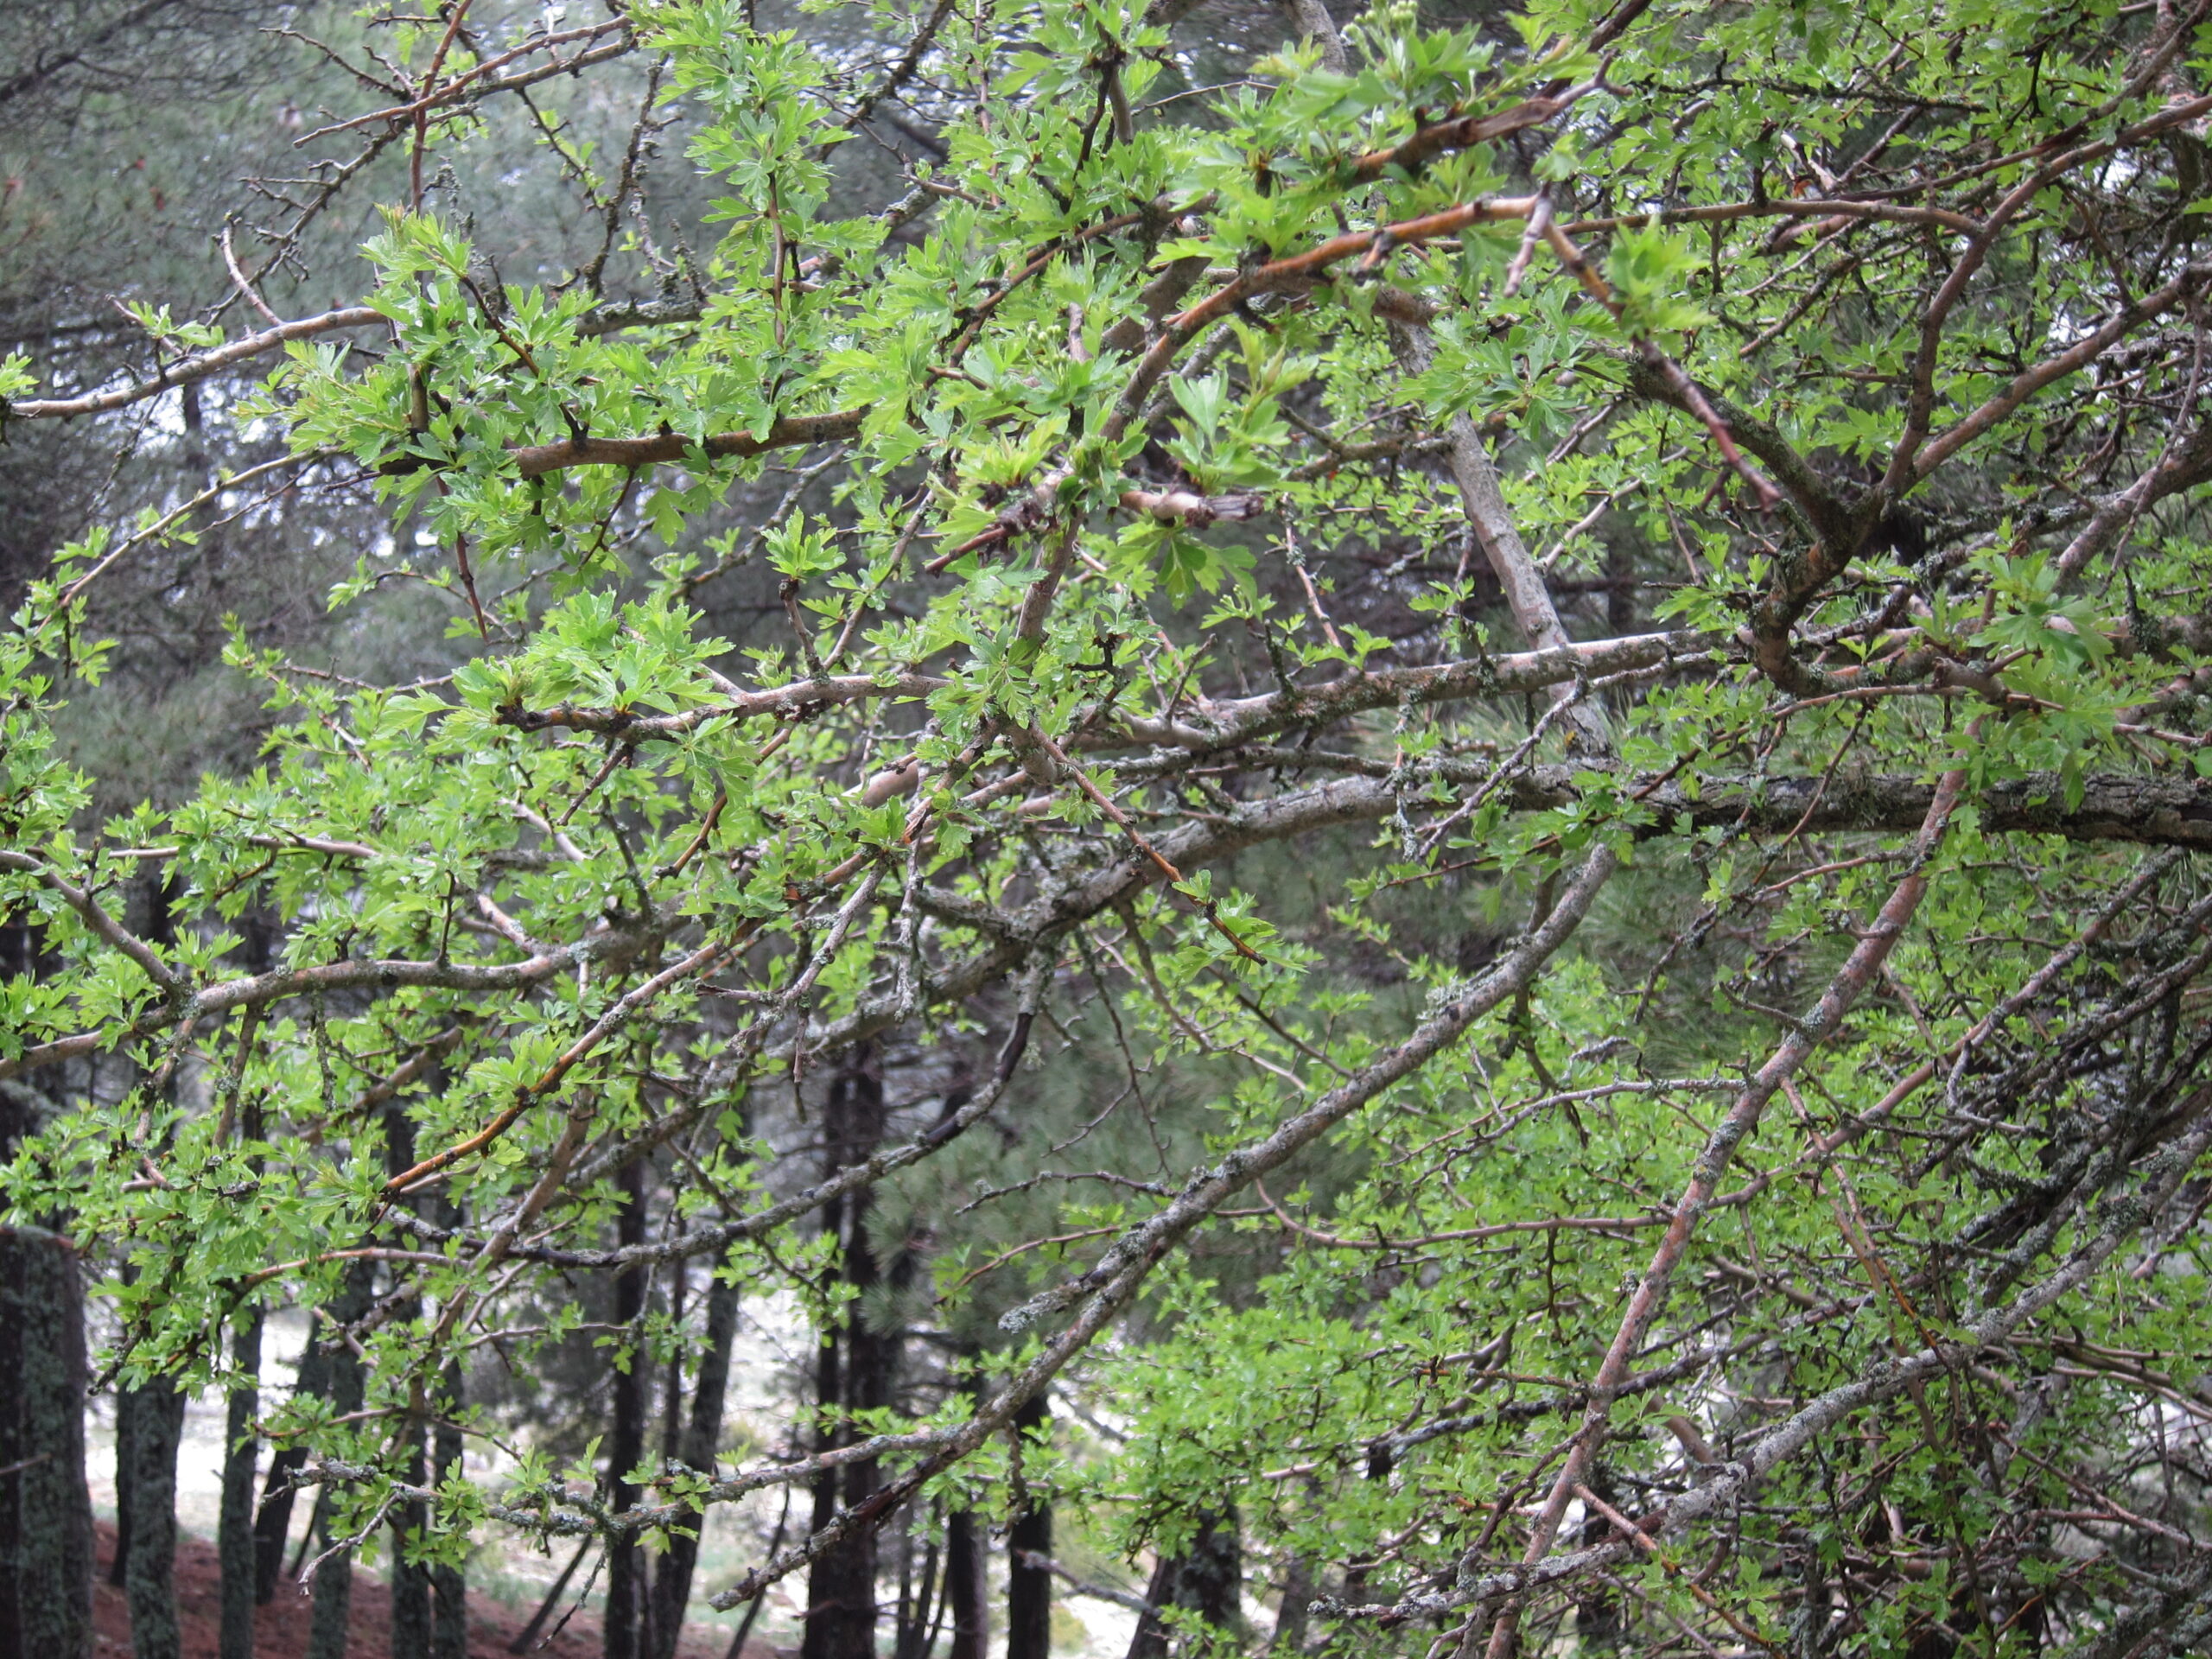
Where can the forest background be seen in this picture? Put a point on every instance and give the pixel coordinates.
(1370, 832)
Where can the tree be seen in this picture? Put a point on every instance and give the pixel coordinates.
(45, 1517)
(1581, 634)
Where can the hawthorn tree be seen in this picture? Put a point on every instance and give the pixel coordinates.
(1583, 631)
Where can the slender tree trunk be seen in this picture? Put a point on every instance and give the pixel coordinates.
(234, 1541)
(919, 1628)
(148, 1583)
(126, 1421)
(967, 1593)
(525, 1639)
(1292, 1616)
(449, 1582)
(1029, 1589)
(272, 1523)
(626, 1445)
(1150, 1640)
(966, 1598)
(45, 1516)
(410, 1580)
(856, 1370)
(744, 1631)
(699, 1441)
(148, 1422)
(330, 1628)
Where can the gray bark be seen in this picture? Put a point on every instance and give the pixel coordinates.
(149, 1583)
(46, 1516)
(1312, 20)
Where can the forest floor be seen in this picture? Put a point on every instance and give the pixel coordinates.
(281, 1628)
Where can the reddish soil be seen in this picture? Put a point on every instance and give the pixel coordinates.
(281, 1628)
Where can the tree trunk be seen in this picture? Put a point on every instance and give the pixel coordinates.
(1150, 1640)
(855, 1370)
(918, 1628)
(129, 1403)
(149, 1584)
(700, 1440)
(272, 1523)
(1291, 1617)
(235, 1550)
(234, 1540)
(330, 1628)
(626, 1445)
(966, 1598)
(126, 1418)
(1029, 1589)
(410, 1580)
(46, 1516)
(1208, 1579)
(966, 1594)
(448, 1583)
(1213, 1574)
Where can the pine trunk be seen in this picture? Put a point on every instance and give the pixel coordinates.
(700, 1440)
(966, 1596)
(448, 1583)
(126, 1418)
(1292, 1616)
(330, 1628)
(235, 1550)
(234, 1541)
(272, 1523)
(1207, 1580)
(150, 1576)
(46, 1516)
(410, 1580)
(855, 1372)
(918, 1620)
(626, 1445)
(1029, 1588)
